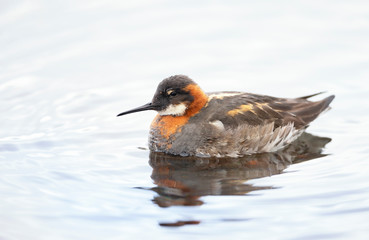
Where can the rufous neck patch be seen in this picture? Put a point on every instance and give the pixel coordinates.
(200, 99)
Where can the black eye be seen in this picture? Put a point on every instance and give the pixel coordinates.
(171, 93)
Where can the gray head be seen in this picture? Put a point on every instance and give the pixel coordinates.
(172, 97)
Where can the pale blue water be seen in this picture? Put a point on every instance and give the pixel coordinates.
(69, 169)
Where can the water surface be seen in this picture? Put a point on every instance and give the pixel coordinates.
(69, 169)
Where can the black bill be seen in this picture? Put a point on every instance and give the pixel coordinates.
(145, 107)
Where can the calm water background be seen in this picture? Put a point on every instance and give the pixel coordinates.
(69, 169)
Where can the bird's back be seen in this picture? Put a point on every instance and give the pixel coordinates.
(237, 108)
(235, 123)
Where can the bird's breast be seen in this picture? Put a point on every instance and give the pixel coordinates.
(167, 126)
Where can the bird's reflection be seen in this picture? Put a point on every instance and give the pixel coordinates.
(183, 180)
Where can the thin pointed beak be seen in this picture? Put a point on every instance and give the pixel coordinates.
(145, 107)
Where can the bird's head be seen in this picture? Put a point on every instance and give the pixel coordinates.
(176, 96)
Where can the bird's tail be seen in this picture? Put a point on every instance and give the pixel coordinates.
(311, 110)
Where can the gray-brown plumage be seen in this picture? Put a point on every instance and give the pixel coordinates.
(220, 124)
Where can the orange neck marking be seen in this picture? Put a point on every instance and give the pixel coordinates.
(168, 125)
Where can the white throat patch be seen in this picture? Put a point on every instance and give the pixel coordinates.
(176, 110)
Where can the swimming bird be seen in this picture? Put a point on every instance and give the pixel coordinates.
(191, 122)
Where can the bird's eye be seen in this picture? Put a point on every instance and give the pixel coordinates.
(171, 93)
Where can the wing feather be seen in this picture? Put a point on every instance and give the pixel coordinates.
(253, 109)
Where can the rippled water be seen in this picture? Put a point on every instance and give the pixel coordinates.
(69, 169)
